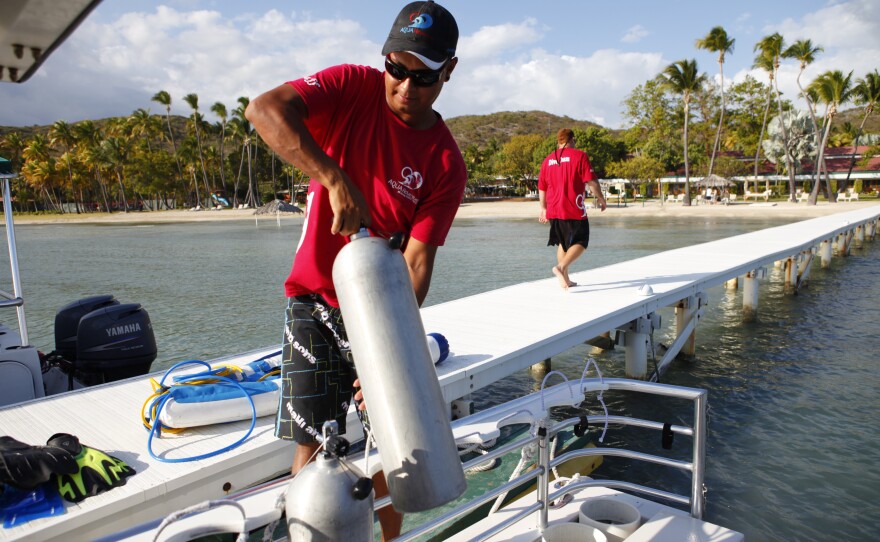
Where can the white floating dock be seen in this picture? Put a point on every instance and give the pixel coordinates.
(491, 335)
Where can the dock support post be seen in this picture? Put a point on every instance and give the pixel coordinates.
(462, 407)
(870, 229)
(540, 369)
(825, 253)
(637, 336)
(843, 243)
(637, 351)
(684, 311)
(859, 236)
(805, 261)
(732, 284)
(790, 270)
(601, 343)
(750, 292)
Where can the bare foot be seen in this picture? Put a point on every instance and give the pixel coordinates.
(569, 281)
(561, 276)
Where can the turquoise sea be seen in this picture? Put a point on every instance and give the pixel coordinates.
(794, 451)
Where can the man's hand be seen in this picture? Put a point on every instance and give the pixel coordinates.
(542, 216)
(601, 201)
(350, 210)
(359, 396)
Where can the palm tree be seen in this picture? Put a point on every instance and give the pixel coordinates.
(242, 128)
(765, 63)
(62, 132)
(143, 125)
(683, 78)
(805, 52)
(162, 97)
(771, 47)
(114, 154)
(717, 41)
(12, 146)
(833, 89)
(867, 93)
(38, 168)
(193, 100)
(89, 148)
(220, 110)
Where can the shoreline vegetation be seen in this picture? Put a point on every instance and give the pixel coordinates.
(499, 209)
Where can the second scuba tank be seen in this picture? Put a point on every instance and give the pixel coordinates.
(330, 500)
(409, 417)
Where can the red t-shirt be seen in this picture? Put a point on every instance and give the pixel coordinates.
(413, 180)
(563, 178)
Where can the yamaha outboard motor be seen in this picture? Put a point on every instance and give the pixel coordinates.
(98, 339)
(113, 343)
(67, 322)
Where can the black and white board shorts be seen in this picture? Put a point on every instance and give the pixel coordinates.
(317, 370)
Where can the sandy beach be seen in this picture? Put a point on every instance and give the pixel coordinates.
(481, 210)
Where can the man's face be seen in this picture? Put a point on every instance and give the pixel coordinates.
(410, 102)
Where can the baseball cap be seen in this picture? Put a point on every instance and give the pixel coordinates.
(426, 30)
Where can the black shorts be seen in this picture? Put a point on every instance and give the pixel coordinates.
(569, 232)
(317, 370)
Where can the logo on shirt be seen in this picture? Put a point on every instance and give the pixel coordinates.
(410, 180)
(581, 204)
(553, 161)
(312, 81)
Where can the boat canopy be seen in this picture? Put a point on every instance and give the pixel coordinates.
(30, 30)
(6, 169)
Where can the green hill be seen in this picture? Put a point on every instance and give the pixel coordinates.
(480, 129)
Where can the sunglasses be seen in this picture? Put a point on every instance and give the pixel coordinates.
(420, 78)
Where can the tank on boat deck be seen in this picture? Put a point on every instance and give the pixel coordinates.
(104, 339)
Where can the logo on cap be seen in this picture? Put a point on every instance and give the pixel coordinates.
(419, 21)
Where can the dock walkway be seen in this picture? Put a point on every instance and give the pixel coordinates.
(491, 335)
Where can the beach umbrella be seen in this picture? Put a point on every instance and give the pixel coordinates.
(715, 181)
(277, 206)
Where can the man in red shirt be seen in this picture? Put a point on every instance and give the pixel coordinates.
(565, 173)
(379, 156)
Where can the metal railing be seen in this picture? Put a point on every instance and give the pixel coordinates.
(696, 466)
(15, 298)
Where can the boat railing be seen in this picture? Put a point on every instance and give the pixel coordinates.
(15, 298)
(695, 467)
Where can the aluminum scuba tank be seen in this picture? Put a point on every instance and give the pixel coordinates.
(409, 417)
(329, 499)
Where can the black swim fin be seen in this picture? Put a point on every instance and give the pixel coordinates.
(26, 467)
(96, 471)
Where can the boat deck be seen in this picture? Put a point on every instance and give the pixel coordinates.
(491, 335)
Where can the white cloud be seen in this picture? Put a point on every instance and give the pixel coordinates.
(493, 41)
(848, 32)
(113, 68)
(635, 34)
(128, 60)
(589, 87)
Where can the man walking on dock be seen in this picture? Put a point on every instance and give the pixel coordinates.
(565, 174)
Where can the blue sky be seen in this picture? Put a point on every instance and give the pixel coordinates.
(575, 57)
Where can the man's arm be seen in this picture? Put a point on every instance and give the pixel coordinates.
(419, 258)
(278, 116)
(597, 193)
(542, 198)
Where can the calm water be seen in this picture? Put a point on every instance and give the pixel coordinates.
(794, 451)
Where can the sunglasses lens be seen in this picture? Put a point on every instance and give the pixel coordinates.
(420, 78)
